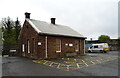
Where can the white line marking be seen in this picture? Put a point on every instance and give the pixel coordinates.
(92, 62)
(98, 61)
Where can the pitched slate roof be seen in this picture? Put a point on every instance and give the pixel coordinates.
(53, 29)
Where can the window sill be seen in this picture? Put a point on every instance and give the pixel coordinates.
(58, 51)
(76, 50)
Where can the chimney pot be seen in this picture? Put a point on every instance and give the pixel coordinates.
(91, 39)
(53, 20)
(27, 15)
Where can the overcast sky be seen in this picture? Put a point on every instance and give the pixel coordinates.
(90, 18)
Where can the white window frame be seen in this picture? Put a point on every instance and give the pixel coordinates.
(84, 46)
(28, 42)
(60, 46)
(23, 47)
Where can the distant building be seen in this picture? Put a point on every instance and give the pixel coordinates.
(113, 43)
(39, 39)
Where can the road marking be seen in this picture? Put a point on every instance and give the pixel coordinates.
(51, 64)
(75, 59)
(45, 62)
(98, 61)
(68, 58)
(58, 65)
(34, 61)
(84, 62)
(67, 67)
(77, 65)
(92, 62)
(55, 63)
(38, 61)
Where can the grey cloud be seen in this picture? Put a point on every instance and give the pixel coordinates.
(86, 17)
(90, 18)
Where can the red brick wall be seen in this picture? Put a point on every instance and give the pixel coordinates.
(28, 33)
(41, 48)
(52, 48)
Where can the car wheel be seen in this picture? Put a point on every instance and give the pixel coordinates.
(105, 52)
(89, 51)
(101, 51)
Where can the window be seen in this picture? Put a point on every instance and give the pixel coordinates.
(58, 45)
(28, 46)
(70, 44)
(96, 46)
(23, 48)
(76, 45)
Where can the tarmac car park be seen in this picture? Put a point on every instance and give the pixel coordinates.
(90, 64)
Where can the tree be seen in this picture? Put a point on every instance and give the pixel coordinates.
(7, 24)
(11, 31)
(17, 28)
(103, 37)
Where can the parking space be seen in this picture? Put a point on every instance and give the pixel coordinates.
(74, 63)
(90, 64)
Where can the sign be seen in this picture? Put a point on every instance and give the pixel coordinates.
(39, 43)
(66, 44)
(70, 44)
(12, 50)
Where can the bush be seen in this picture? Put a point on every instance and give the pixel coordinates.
(68, 52)
(5, 52)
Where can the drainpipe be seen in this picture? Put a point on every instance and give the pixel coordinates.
(46, 47)
(84, 46)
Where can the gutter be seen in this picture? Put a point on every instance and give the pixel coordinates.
(61, 35)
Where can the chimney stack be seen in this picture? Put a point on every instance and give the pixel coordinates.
(27, 15)
(91, 39)
(53, 20)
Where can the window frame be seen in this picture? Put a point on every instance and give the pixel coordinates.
(28, 46)
(95, 46)
(77, 46)
(59, 45)
(23, 47)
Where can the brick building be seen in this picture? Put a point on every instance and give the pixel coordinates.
(39, 39)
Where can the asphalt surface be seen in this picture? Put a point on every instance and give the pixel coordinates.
(19, 66)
